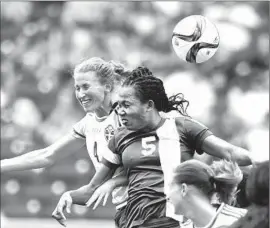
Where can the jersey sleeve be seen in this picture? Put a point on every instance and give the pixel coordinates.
(196, 133)
(110, 157)
(79, 128)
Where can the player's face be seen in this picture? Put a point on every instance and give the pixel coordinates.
(89, 91)
(176, 196)
(133, 113)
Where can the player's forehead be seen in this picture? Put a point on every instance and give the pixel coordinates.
(86, 78)
(126, 94)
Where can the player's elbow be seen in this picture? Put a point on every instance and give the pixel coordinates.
(45, 158)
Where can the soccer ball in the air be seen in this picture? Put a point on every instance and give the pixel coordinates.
(195, 39)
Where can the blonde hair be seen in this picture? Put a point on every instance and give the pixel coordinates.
(110, 72)
(228, 176)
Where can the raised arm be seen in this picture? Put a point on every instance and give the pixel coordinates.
(44, 157)
(199, 138)
(220, 148)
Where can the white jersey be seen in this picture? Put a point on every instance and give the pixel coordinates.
(97, 134)
(226, 215)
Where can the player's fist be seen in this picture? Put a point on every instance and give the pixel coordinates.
(64, 203)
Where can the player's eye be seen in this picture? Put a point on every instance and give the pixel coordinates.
(86, 86)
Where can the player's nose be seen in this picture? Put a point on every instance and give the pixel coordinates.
(121, 111)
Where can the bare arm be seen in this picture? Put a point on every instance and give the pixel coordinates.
(106, 189)
(81, 196)
(217, 147)
(44, 157)
(118, 181)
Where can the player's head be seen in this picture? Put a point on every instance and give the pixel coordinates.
(95, 80)
(142, 94)
(257, 186)
(228, 176)
(195, 182)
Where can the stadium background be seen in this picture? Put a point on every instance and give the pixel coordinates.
(41, 42)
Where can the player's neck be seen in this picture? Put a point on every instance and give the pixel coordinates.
(205, 211)
(154, 123)
(104, 110)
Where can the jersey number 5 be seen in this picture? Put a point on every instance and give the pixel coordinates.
(148, 148)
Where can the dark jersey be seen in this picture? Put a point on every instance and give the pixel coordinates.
(140, 153)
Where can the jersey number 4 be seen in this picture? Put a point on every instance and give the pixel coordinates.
(148, 146)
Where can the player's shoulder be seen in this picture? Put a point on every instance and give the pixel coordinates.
(188, 122)
(120, 133)
(233, 211)
(89, 117)
(120, 136)
(84, 122)
(181, 122)
(121, 130)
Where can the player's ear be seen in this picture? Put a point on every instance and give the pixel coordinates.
(184, 189)
(150, 105)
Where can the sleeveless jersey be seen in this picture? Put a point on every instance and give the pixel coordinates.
(226, 215)
(97, 135)
(149, 158)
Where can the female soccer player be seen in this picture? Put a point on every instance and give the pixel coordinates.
(191, 191)
(149, 147)
(95, 82)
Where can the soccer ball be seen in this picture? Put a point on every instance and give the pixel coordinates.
(195, 39)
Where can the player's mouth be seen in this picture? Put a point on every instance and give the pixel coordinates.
(124, 121)
(86, 102)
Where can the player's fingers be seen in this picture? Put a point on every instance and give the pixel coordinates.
(54, 213)
(68, 206)
(92, 200)
(60, 211)
(62, 222)
(58, 218)
(105, 199)
(98, 202)
(55, 216)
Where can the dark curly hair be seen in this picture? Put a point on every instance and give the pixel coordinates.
(148, 87)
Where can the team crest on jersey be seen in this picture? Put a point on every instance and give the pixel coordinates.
(109, 132)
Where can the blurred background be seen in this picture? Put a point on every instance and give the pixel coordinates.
(41, 42)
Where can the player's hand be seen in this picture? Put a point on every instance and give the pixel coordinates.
(100, 193)
(64, 203)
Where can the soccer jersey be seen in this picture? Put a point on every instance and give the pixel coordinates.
(97, 134)
(226, 215)
(149, 158)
